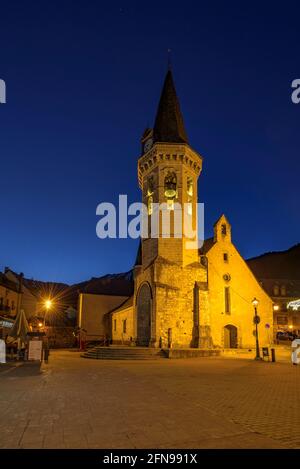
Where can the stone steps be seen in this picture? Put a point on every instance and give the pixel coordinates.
(123, 353)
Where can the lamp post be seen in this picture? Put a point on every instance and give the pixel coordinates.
(48, 304)
(256, 321)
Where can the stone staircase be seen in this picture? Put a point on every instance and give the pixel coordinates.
(123, 353)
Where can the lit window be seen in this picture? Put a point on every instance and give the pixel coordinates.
(283, 290)
(276, 290)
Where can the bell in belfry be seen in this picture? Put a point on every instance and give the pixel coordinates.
(170, 185)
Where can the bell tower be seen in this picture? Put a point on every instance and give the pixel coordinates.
(170, 284)
(168, 171)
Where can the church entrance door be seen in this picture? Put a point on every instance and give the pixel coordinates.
(144, 310)
(230, 336)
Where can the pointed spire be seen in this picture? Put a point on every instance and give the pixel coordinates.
(169, 125)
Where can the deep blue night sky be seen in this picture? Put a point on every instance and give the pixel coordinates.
(83, 81)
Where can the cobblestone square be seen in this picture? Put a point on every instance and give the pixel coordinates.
(189, 403)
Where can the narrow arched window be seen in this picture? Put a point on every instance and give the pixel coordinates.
(223, 229)
(150, 186)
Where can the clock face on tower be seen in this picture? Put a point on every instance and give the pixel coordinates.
(148, 144)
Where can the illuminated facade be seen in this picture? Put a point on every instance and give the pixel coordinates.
(186, 297)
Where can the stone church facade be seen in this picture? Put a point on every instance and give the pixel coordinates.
(185, 297)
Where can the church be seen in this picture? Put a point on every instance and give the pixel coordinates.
(185, 297)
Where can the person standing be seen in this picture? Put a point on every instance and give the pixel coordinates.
(82, 339)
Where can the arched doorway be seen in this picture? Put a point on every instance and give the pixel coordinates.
(144, 309)
(230, 336)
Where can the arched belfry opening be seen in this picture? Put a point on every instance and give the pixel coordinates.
(144, 315)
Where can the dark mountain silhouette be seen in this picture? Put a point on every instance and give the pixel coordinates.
(277, 265)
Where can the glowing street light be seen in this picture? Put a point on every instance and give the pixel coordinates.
(256, 320)
(48, 304)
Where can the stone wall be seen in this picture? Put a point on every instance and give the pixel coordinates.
(172, 320)
(174, 286)
(120, 337)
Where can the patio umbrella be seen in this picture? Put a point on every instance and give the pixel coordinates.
(20, 327)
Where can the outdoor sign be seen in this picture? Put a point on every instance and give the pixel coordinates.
(2, 351)
(35, 350)
(294, 305)
(7, 324)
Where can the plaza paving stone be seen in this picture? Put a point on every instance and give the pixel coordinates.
(190, 403)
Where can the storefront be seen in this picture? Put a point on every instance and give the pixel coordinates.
(6, 325)
(294, 313)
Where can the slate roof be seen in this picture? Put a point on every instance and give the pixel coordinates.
(169, 126)
(126, 304)
(138, 259)
(5, 282)
(207, 245)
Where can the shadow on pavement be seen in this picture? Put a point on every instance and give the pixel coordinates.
(20, 370)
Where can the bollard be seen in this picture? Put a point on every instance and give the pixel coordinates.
(273, 355)
(46, 355)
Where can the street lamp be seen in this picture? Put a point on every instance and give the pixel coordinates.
(256, 320)
(48, 304)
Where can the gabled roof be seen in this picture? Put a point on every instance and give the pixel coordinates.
(39, 288)
(138, 259)
(8, 284)
(169, 126)
(222, 218)
(207, 245)
(126, 304)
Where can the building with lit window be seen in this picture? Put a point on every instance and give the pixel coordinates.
(9, 298)
(279, 275)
